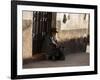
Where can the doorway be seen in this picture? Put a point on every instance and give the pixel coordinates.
(42, 23)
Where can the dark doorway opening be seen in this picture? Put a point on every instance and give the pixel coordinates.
(42, 23)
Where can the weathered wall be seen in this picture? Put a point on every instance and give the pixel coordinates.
(71, 34)
(73, 21)
(74, 27)
(27, 34)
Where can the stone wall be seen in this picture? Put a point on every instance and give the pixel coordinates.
(72, 21)
(27, 39)
(71, 34)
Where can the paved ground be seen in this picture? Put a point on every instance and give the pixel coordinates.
(73, 59)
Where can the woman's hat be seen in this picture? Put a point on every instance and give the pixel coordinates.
(54, 30)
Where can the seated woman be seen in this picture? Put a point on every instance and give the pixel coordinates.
(51, 48)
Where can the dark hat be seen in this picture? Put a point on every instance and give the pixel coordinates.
(54, 30)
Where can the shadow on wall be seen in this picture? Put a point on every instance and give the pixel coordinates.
(75, 45)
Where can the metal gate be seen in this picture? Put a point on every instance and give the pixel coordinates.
(42, 22)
